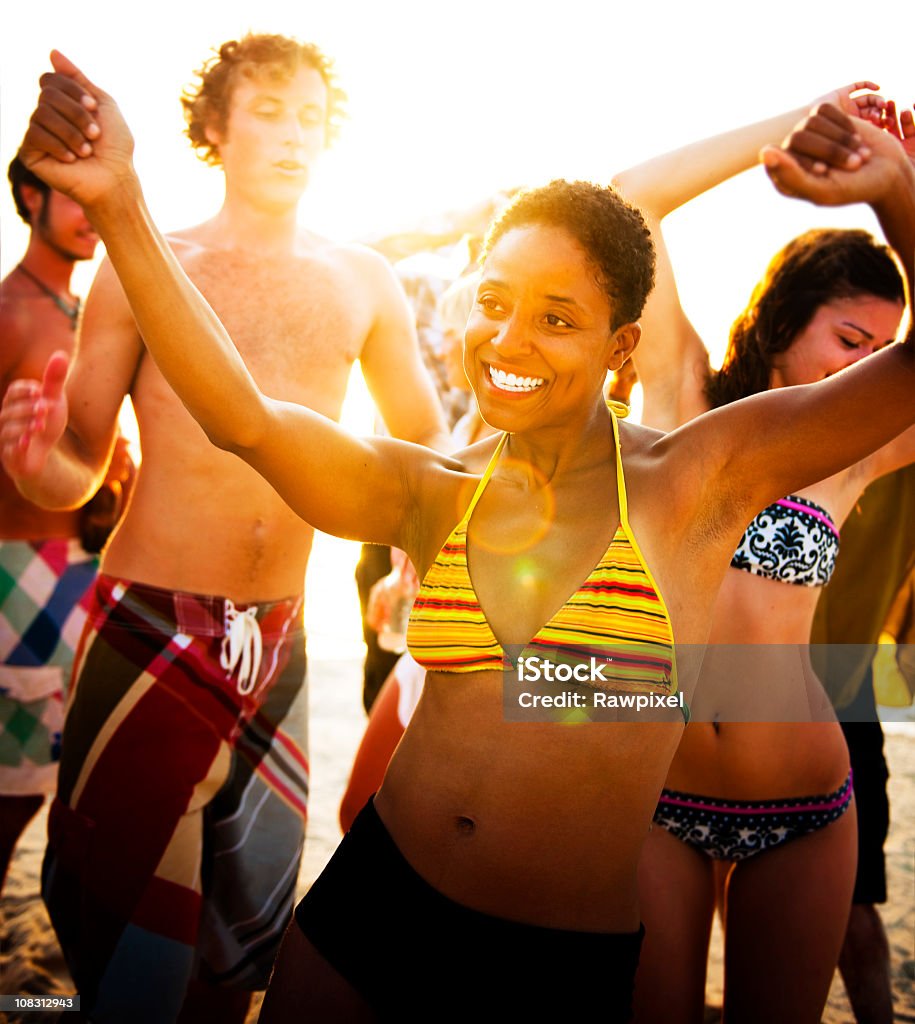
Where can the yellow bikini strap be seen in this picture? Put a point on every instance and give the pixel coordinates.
(620, 479)
(484, 480)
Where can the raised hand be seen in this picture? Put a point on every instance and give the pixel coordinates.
(32, 419)
(832, 160)
(869, 105)
(901, 127)
(77, 141)
(907, 122)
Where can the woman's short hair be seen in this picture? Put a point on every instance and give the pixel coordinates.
(817, 267)
(207, 102)
(611, 231)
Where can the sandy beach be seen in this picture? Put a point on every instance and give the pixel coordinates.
(31, 963)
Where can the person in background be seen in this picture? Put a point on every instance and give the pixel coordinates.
(47, 557)
(184, 760)
(877, 556)
(895, 687)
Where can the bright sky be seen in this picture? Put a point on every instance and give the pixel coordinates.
(451, 102)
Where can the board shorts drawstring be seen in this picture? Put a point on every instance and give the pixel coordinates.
(242, 646)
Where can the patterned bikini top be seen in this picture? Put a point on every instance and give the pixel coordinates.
(792, 541)
(619, 603)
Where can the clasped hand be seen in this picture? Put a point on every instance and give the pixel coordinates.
(832, 158)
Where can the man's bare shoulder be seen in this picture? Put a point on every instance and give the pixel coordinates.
(185, 243)
(30, 330)
(353, 263)
(14, 292)
(367, 267)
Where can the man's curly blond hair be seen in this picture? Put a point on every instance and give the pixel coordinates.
(207, 101)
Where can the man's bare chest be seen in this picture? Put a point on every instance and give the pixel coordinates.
(291, 320)
(30, 331)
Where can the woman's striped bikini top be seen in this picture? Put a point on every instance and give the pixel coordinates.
(793, 541)
(617, 610)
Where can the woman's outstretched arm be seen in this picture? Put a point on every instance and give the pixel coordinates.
(78, 142)
(787, 438)
(672, 360)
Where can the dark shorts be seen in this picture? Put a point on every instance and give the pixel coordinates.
(412, 953)
(864, 736)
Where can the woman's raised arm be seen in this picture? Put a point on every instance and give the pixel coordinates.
(672, 360)
(787, 438)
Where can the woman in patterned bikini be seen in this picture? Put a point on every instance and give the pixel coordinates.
(499, 858)
(753, 810)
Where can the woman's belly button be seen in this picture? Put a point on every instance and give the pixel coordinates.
(465, 825)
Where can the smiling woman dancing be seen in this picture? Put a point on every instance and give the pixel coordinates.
(498, 858)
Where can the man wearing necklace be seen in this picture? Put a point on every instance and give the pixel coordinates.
(176, 834)
(46, 568)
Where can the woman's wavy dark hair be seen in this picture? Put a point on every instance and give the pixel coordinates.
(208, 101)
(813, 269)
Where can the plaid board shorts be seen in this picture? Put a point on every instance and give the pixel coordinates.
(175, 839)
(44, 596)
